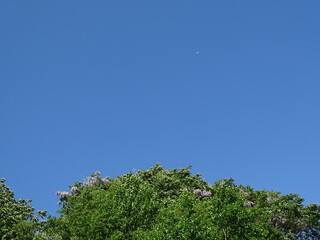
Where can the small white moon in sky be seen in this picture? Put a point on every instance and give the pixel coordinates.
(197, 52)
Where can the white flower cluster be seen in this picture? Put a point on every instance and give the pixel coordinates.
(248, 204)
(202, 193)
(243, 192)
(62, 196)
(95, 178)
(74, 189)
(89, 181)
(270, 199)
(278, 219)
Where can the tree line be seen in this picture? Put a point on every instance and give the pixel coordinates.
(161, 204)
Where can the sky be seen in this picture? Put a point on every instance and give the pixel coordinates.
(230, 87)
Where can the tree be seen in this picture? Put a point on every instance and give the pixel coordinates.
(174, 204)
(17, 220)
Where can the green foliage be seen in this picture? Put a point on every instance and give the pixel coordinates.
(174, 204)
(162, 205)
(17, 220)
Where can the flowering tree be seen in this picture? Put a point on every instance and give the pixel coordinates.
(174, 204)
(161, 204)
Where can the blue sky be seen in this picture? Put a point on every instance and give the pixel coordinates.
(230, 87)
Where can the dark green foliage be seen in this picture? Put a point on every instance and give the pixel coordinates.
(17, 220)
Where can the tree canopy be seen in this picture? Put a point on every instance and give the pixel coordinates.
(170, 204)
(17, 219)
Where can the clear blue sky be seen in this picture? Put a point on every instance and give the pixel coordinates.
(230, 87)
